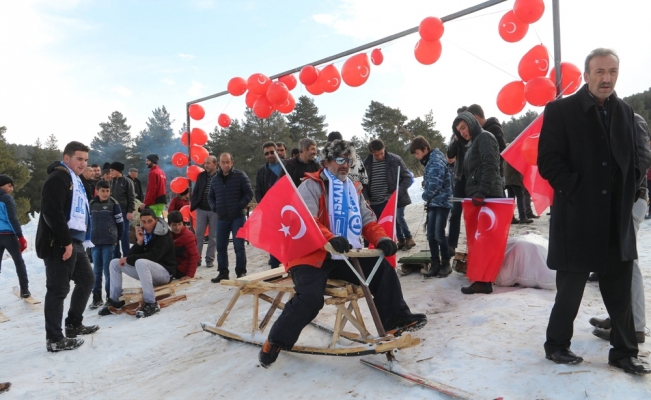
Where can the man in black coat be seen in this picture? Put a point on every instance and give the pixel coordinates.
(205, 216)
(60, 237)
(587, 152)
(265, 178)
(230, 193)
(298, 166)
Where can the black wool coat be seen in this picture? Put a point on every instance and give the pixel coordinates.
(594, 177)
(56, 198)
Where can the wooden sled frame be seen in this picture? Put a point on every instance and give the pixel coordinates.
(134, 295)
(343, 295)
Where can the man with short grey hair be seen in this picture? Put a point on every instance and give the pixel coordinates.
(205, 216)
(137, 185)
(297, 167)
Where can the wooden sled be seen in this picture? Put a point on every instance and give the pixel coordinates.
(460, 262)
(341, 294)
(30, 299)
(3, 318)
(134, 295)
(415, 262)
(164, 300)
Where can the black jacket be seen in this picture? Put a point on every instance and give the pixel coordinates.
(122, 190)
(481, 164)
(594, 174)
(493, 126)
(137, 187)
(393, 161)
(264, 180)
(56, 197)
(296, 169)
(457, 150)
(160, 248)
(197, 191)
(229, 195)
(106, 222)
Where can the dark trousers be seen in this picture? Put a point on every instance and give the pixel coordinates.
(615, 287)
(273, 262)
(515, 191)
(10, 242)
(124, 240)
(459, 190)
(58, 274)
(310, 284)
(224, 230)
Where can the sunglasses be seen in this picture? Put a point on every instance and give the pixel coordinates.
(342, 160)
(269, 152)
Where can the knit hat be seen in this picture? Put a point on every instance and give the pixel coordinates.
(153, 158)
(4, 179)
(339, 148)
(133, 169)
(105, 171)
(106, 165)
(118, 166)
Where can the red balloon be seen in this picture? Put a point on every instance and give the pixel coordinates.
(194, 171)
(530, 149)
(185, 211)
(431, 29)
(236, 86)
(262, 107)
(356, 70)
(534, 63)
(539, 91)
(427, 52)
(288, 106)
(198, 136)
(184, 139)
(308, 75)
(329, 78)
(528, 11)
(196, 112)
(198, 154)
(258, 83)
(250, 99)
(570, 77)
(289, 81)
(224, 120)
(277, 93)
(315, 88)
(510, 100)
(511, 29)
(377, 57)
(179, 184)
(180, 159)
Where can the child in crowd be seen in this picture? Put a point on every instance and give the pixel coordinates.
(106, 227)
(185, 244)
(180, 200)
(437, 189)
(11, 235)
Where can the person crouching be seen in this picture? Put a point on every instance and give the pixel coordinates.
(185, 247)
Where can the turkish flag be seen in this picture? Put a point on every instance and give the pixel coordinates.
(282, 225)
(487, 228)
(388, 222)
(522, 154)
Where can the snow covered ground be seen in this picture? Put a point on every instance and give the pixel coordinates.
(490, 345)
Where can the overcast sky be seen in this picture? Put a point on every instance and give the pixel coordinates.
(66, 65)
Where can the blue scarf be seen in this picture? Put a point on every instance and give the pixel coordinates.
(343, 210)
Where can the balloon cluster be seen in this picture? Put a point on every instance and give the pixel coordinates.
(514, 25)
(428, 48)
(263, 95)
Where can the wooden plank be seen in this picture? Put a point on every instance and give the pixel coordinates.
(261, 276)
(29, 299)
(274, 305)
(3, 318)
(228, 309)
(337, 329)
(352, 320)
(171, 300)
(358, 315)
(256, 302)
(343, 300)
(336, 291)
(357, 253)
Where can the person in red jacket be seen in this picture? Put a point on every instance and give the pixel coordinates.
(182, 199)
(156, 197)
(185, 244)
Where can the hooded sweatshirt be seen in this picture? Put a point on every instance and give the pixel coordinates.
(160, 249)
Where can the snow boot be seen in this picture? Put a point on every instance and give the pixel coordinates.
(64, 344)
(409, 243)
(97, 301)
(5, 386)
(407, 322)
(73, 331)
(110, 304)
(240, 273)
(401, 244)
(148, 310)
(434, 268)
(478, 287)
(24, 292)
(446, 269)
(268, 354)
(220, 277)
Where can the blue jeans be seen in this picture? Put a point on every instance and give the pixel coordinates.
(437, 218)
(224, 231)
(102, 256)
(459, 190)
(402, 230)
(124, 240)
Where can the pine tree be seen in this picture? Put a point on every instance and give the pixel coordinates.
(18, 171)
(515, 126)
(113, 142)
(423, 127)
(305, 122)
(41, 157)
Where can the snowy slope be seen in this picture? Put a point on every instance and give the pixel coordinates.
(490, 345)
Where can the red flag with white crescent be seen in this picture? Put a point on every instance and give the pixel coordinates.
(487, 229)
(282, 225)
(388, 221)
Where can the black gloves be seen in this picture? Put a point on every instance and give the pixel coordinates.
(388, 247)
(478, 199)
(340, 244)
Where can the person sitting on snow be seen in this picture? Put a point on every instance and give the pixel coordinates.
(321, 190)
(152, 260)
(185, 245)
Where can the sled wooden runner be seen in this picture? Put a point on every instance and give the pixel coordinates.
(30, 299)
(134, 295)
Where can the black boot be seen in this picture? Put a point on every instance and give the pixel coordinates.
(407, 322)
(64, 344)
(446, 269)
(97, 301)
(73, 331)
(111, 304)
(434, 269)
(148, 310)
(268, 354)
(221, 276)
(478, 287)
(24, 292)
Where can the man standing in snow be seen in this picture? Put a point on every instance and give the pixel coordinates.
(62, 234)
(265, 178)
(587, 152)
(156, 196)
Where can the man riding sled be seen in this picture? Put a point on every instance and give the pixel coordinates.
(343, 217)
